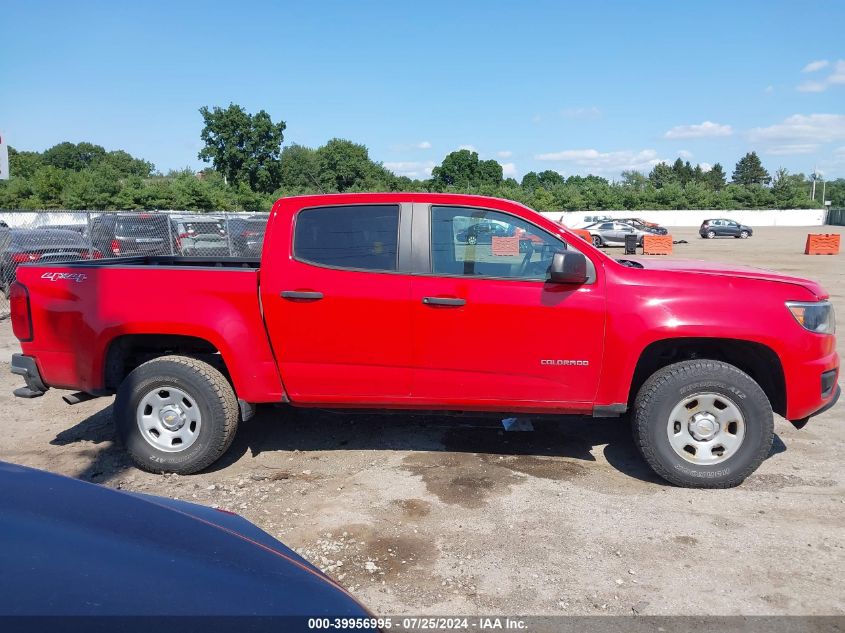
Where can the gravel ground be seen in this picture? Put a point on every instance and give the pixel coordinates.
(426, 514)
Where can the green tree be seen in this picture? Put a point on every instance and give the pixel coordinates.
(530, 181)
(346, 166)
(73, 156)
(750, 171)
(459, 169)
(716, 177)
(790, 190)
(489, 173)
(550, 178)
(24, 164)
(683, 171)
(125, 164)
(634, 179)
(662, 175)
(243, 147)
(299, 169)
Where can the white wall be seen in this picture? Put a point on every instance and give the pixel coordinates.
(768, 217)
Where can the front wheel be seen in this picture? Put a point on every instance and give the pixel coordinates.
(597, 242)
(703, 424)
(743, 235)
(175, 414)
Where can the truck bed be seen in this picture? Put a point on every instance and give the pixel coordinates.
(82, 311)
(166, 260)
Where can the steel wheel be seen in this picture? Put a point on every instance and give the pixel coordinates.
(169, 419)
(706, 428)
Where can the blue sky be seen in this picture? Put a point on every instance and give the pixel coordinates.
(579, 87)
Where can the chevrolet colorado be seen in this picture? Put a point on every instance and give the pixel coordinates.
(372, 301)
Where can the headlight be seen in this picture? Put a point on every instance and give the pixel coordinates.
(816, 316)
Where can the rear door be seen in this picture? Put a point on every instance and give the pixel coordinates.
(337, 305)
(488, 330)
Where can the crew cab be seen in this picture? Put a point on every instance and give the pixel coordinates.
(366, 301)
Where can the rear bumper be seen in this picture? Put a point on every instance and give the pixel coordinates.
(25, 366)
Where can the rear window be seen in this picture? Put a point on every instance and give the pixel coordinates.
(354, 237)
(149, 226)
(204, 228)
(39, 238)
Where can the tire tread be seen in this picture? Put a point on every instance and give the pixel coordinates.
(225, 397)
(694, 369)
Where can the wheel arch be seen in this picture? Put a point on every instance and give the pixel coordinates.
(126, 352)
(756, 359)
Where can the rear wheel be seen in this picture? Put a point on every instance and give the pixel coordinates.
(176, 414)
(711, 235)
(703, 424)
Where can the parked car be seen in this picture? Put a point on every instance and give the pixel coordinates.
(247, 234)
(23, 246)
(482, 233)
(613, 233)
(72, 548)
(724, 228)
(647, 227)
(353, 313)
(120, 234)
(199, 235)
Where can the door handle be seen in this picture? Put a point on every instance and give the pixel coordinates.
(301, 294)
(444, 301)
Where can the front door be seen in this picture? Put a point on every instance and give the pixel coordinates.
(337, 309)
(487, 326)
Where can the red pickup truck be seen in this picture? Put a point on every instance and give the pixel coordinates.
(370, 301)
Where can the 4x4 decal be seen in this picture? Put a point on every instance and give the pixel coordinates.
(77, 277)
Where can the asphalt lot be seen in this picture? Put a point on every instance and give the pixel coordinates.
(437, 515)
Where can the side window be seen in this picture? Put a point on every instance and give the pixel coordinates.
(354, 237)
(607, 226)
(511, 248)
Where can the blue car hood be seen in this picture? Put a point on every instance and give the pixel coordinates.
(68, 547)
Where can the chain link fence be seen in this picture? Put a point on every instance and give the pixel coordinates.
(836, 217)
(59, 236)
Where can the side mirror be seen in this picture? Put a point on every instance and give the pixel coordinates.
(568, 268)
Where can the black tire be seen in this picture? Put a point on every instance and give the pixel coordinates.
(711, 235)
(597, 241)
(669, 386)
(744, 235)
(214, 397)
